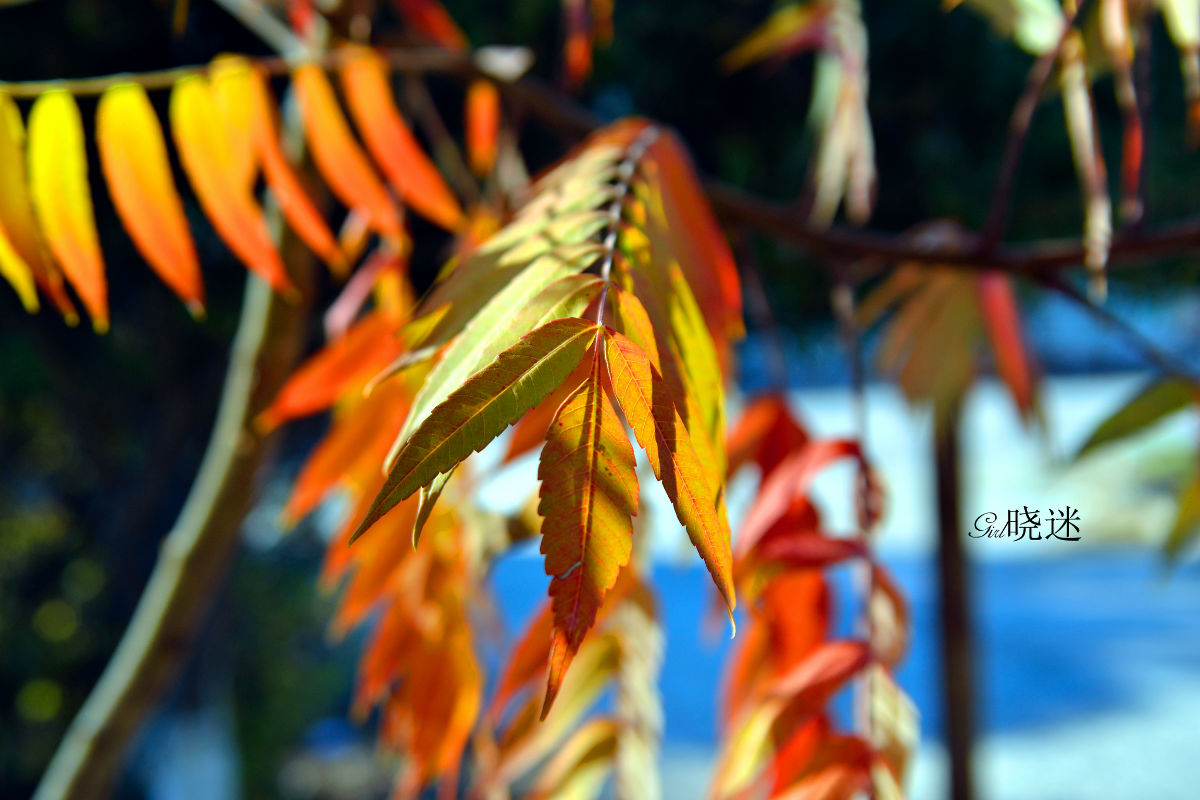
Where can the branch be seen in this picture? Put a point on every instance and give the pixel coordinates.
(194, 554)
(1018, 133)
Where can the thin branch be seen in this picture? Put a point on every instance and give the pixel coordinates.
(1018, 134)
(196, 552)
(1154, 354)
(735, 206)
(445, 150)
(407, 60)
(194, 555)
(266, 26)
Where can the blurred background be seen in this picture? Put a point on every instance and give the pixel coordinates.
(1088, 653)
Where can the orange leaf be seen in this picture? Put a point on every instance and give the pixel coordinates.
(353, 449)
(810, 683)
(589, 495)
(214, 172)
(790, 479)
(577, 51)
(528, 660)
(242, 93)
(365, 83)
(337, 155)
(702, 248)
(766, 434)
(430, 19)
(653, 415)
(483, 125)
(58, 182)
(134, 157)
(1002, 321)
(343, 365)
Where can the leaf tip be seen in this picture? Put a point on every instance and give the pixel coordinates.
(197, 310)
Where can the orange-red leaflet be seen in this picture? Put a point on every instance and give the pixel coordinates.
(365, 84)
(216, 177)
(589, 494)
(58, 183)
(642, 395)
(342, 365)
(133, 155)
(483, 125)
(337, 155)
(430, 19)
(245, 100)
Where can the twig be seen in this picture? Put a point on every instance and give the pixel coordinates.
(1160, 358)
(407, 60)
(445, 151)
(1018, 134)
(194, 554)
(266, 26)
(735, 206)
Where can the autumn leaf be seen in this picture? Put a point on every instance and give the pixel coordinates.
(24, 255)
(365, 84)
(246, 103)
(589, 495)
(640, 392)
(133, 154)
(483, 125)
(218, 179)
(338, 156)
(430, 19)
(58, 184)
(793, 28)
(486, 404)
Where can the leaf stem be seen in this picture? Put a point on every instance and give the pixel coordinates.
(616, 207)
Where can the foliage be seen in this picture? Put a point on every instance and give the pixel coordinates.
(597, 301)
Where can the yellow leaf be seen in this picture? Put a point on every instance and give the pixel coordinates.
(58, 182)
(213, 169)
(643, 396)
(134, 158)
(238, 84)
(16, 212)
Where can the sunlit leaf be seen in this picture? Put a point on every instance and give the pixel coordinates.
(58, 184)
(215, 174)
(365, 83)
(589, 495)
(242, 93)
(641, 393)
(483, 407)
(133, 154)
(338, 156)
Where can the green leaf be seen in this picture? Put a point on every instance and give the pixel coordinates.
(1187, 519)
(548, 289)
(1154, 402)
(483, 407)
